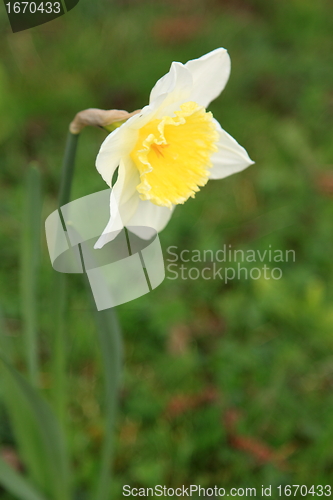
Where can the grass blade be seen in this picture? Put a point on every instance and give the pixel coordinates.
(16, 484)
(38, 435)
(29, 268)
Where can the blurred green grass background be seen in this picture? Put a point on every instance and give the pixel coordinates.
(228, 385)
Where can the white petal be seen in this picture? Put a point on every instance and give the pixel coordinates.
(124, 201)
(150, 215)
(115, 146)
(176, 86)
(210, 74)
(230, 157)
(113, 227)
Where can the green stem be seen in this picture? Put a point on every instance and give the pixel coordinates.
(29, 269)
(111, 348)
(60, 344)
(68, 169)
(110, 339)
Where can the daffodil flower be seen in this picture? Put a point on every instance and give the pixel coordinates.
(170, 149)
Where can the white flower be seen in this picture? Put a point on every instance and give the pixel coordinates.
(171, 148)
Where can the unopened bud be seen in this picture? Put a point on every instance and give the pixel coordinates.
(108, 119)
